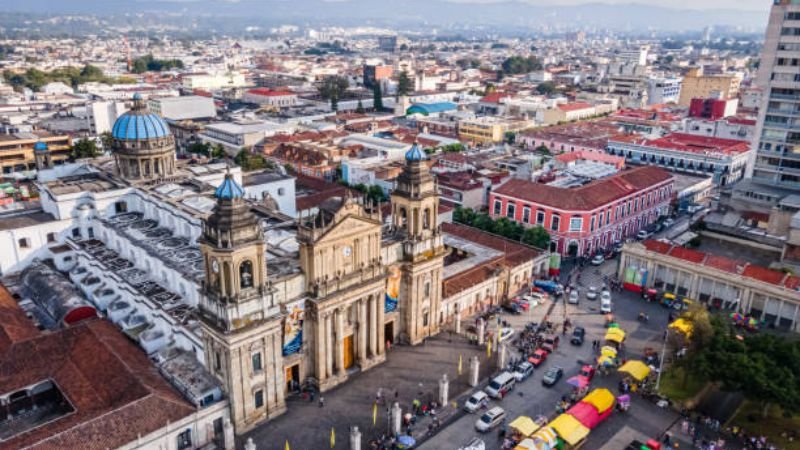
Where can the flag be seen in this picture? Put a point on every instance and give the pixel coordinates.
(333, 438)
(460, 363)
(374, 413)
(489, 349)
(286, 447)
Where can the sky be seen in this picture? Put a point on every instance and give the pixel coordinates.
(748, 5)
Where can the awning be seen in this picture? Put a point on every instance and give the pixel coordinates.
(569, 429)
(635, 368)
(588, 415)
(545, 439)
(609, 351)
(602, 399)
(578, 381)
(526, 444)
(524, 425)
(605, 361)
(683, 326)
(615, 335)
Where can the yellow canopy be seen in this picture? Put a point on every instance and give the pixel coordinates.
(635, 368)
(570, 430)
(525, 425)
(609, 351)
(601, 399)
(526, 444)
(615, 335)
(683, 326)
(604, 361)
(545, 436)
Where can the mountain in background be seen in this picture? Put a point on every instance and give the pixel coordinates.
(418, 13)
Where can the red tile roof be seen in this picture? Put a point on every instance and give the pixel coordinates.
(14, 324)
(117, 393)
(514, 252)
(264, 92)
(687, 254)
(763, 274)
(657, 246)
(690, 143)
(589, 196)
(494, 97)
(577, 106)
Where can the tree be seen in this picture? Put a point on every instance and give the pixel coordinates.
(546, 88)
(542, 149)
(690, 347)
(85, 148)
(453, 148)
(217, 151)
(518, 65)
(510, 137)
(377, 97)
(249, 161)
(107, 140)
(403, 84)
(360, 107)
(376, 194)
(537, 237)
(332, 88)
(199, 148)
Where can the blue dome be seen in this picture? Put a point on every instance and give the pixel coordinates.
(229, 189)
(40, 147)
(138, 123)
(415, 153)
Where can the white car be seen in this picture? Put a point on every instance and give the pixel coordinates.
(523, 371)
(490, 419)
(573, 297)
(605, 302)
(669, 222)
(643, 234)
(591, 293)
(598, 259)
(476, 401)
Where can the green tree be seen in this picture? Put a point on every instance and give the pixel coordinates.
(510, 137)
(546, 88)
(453, 148)
(690, 347)
(519, 65)
(542, 149)
(377, 97)
(403, 84)
(85, 148)
(217, 151)
(250, 161)
(199, 148)
(332, 88)
(376, 194)
(107, 140)
(360, 107)
(537, 237)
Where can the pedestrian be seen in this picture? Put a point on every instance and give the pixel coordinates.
(321, 401)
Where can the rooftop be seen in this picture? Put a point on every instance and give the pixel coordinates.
(690, 143)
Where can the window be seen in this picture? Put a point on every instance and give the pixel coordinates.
(608, 216)
(281, 191)
(217, 361)
(185, 439)
(425, 319)
(51, 237)
(526, 215)
(498, 207)
(555, 222)
(575, 224)
(90, 230)
(600, 220)
(591, 224)
(120, 207)
(259, 398)
(257, 367)
(539, 217)
(427, 289)
(24, 243)
(511, 209)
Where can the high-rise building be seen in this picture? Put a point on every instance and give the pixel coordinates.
(776, 169)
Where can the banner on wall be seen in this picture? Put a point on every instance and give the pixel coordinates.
(293, 328)
(392, 288)
(634, 279)
(555, 264)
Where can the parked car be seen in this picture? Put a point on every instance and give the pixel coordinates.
(605, 303)
(512, 308)
(591, 293)
(538, 357)
(523, 371)
(578, 334)
(476, 401)
(643, 234)
(491, 419)
(552, 376)
(550, 343)
(551, 287)
(501, 385)
(522, 303)
(668, 222)
(587, 371)
(573, 297)
(598, 259)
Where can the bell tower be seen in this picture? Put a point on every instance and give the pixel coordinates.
(415, 209)
(241, 321)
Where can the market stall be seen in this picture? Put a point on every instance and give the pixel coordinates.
(588, 415)
(635, 369)
(570, 430)
(602, 399)
(523, 427)
(545, 439)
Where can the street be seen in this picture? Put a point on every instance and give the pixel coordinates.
(531, 398)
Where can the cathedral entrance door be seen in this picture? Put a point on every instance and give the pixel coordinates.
(388, 331)
(348, 351)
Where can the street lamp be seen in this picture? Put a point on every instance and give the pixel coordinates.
(661, 361)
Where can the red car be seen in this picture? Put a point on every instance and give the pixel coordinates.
(538, 357)
(522, 304)
(587, 371)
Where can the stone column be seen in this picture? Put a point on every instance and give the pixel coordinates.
(397, 418)
(501, 356)
(339, 341)
(227, 429)
(444, 388)
(362, 331)
(458, 322)
(319, 347)
(355, 439)
(371, 327)
(329, 345)
(474, 371)
(481, 330)
(381, 310)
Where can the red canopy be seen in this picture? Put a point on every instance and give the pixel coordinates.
(587, 414)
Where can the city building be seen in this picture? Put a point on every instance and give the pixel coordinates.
(375, 74)
(268, 97)
(387, 43)
(189, 107)
(578, 137)
(697, 85)
(663, 90)
(725, 159)
(713, 108)
(243, 133)
(213, 80)
(487, 129)
(102, 115)
(726, 128)
(18, 151)
(590, 216)
(764, 294)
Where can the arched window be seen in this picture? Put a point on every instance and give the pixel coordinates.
(426, 219)
(246, 274)
(403, 217)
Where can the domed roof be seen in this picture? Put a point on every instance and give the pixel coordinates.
(415, 153)
(229, 189)
(40, 146)
(139, 123)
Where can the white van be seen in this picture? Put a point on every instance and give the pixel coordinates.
(490, 419)
(501, 385)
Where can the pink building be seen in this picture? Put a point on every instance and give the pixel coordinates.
(593, 216)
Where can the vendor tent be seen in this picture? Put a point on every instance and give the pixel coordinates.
(526, 444)
(615, 335)
(524, 425)
(578, 381)
(545, 439)
(605, 361)
(588, 415)
(569, 429)
(636, 369)
(683, 326)
(602, 399)
(609, 351)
